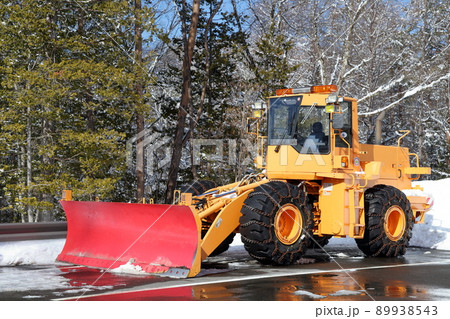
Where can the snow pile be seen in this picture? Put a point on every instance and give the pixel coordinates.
(33, 252)
(435, 231)
(129, 268)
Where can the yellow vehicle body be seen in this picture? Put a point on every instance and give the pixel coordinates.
(311, 188)
(339, 210)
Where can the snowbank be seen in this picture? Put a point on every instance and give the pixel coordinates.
(434, 233)
(33, 252)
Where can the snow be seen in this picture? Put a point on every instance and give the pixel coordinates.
(129, 268)
(13, 279)
(335, 294)
(347, 292)
(407, 94)
(33, 252)
(309, 294)
(433, 234)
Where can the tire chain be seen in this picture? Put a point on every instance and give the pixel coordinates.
(276, 206)
(383, 196)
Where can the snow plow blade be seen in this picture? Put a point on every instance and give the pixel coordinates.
(160, 239)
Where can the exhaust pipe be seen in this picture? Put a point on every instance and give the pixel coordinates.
(378, 125)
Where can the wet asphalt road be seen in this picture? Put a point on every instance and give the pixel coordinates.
(342, 273)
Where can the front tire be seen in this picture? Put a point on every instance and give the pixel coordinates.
(276, 224)
(389, 222)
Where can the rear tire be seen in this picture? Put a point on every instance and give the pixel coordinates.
(318, 242)
(389, 222)
(276, 225)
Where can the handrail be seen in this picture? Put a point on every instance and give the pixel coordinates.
(401, 137)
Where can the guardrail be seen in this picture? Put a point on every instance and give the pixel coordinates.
(32, 231)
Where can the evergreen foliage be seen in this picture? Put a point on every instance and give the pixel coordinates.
(68, 100)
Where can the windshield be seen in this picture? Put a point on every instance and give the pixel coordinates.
(305, 127)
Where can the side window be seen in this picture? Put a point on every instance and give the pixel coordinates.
(343, 121)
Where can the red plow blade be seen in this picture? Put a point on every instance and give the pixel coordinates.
(160, 239)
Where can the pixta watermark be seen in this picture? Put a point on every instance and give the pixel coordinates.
(158, 151)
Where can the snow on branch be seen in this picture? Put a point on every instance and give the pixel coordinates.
(356, 67)
(406, 95)
(440, 172)
(381, 89)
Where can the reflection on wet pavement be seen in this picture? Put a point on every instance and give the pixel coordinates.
(340, 275)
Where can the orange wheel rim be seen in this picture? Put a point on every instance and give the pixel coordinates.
(394, 223)
(288, 224)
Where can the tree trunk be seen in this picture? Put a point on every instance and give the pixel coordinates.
(29, 165)
(87, 94)
(46, 215)
(193, 118)
(185, 101)
(140, 121)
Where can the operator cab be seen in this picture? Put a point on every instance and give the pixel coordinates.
(306, 126)
(311, 132)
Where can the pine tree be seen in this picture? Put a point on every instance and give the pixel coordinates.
(69, 88)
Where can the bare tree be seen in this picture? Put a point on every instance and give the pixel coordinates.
(140, 121)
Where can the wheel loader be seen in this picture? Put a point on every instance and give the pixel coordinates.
(317, 181)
